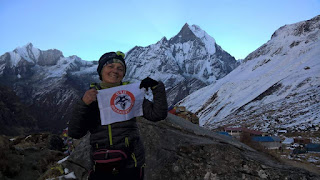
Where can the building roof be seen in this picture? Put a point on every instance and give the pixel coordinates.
(313, 146)
(224, 133)
(266, 139)
(288, 141)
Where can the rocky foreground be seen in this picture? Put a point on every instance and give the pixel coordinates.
(175, 149)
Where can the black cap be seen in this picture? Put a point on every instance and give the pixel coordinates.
(111, 57)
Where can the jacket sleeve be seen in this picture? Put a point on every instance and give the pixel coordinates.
(77, 126)
(158, 109)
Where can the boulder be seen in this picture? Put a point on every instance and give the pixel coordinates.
(183, 113)
(178, 149)
(80, 161)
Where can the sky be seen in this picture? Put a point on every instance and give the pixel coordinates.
(90, 28)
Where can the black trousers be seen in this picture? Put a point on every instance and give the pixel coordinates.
(131, 174)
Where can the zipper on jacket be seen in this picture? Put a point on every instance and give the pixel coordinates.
(134, 158)
(126, 141)
(110, 134)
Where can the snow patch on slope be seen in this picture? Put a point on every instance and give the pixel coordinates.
(208, 40)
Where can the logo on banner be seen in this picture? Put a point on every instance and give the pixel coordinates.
(122, 102)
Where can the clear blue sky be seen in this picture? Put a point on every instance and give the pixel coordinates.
(90, 28)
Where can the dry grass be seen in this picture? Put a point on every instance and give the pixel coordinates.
(303, 164)
(300, 161)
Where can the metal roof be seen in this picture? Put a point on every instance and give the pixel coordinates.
(266, 139)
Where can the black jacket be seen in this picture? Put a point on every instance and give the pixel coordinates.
(87, 118)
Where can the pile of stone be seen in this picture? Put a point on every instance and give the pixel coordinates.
(183, 113)
(28, 156)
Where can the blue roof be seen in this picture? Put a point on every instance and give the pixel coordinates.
(276, 138)
(266, 139)
(224, 133)
(313, 146)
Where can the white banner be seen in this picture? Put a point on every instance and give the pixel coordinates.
(120, 103)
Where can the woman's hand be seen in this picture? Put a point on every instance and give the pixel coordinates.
(90, 96)
(148, 83)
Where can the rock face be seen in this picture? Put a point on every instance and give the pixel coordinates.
(178, 149)
(276, 87)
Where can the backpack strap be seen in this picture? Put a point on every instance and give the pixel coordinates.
(110, 134)
(95, 86)
(125, 83)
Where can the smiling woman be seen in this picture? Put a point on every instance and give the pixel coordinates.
(112, 73)
(117, 149)
(112, 67)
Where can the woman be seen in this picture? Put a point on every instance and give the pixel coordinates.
(124, 135)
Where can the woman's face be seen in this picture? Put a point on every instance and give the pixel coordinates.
(112, 73)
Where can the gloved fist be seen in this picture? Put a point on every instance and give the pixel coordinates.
(90, 96)
(148, 83)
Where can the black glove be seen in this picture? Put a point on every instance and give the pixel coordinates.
(148, 82)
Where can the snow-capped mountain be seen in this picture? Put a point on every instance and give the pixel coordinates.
(188, 61)
(23, 61)
(47, 82)
(277, 85)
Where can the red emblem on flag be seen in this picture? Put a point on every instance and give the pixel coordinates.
(122, 102)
